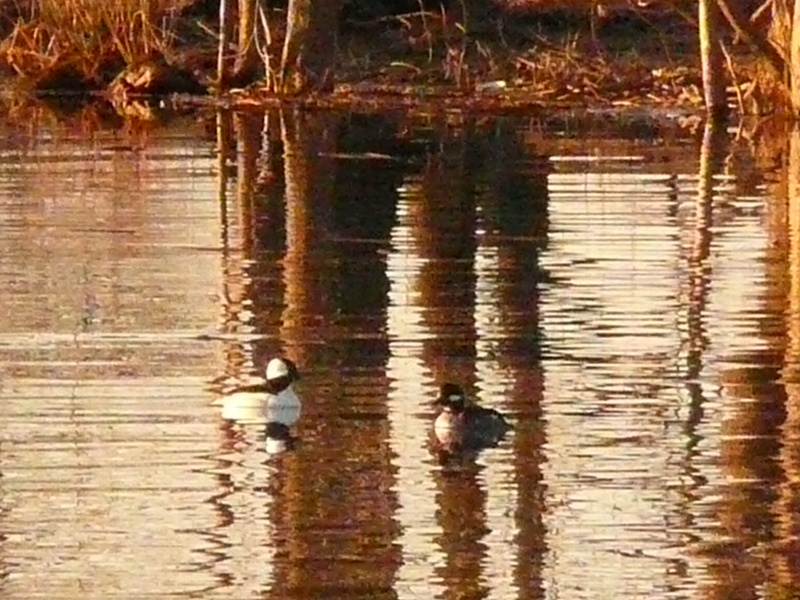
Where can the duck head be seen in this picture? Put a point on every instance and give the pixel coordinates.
(451, 397)
(281, 372)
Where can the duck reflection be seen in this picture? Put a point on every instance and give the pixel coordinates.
(278, 438)
(461, 500)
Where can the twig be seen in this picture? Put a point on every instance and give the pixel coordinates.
(745, 30)
(422, 14)
(754, 17)
(265, 52)
(732, 71)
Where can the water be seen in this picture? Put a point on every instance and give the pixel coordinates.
(626, 293)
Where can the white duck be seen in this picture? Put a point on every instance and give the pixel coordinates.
(273, 401)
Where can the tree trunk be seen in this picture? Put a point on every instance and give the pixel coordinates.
(310, 45)
(248, 62)
(794, 52)
(711, 57)
(792, 273)
(225, 36)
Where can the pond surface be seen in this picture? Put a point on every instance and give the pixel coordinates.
(627, 292)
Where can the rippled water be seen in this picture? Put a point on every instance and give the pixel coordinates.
(626, 293)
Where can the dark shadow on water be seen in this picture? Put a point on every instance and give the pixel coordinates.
(316, 204)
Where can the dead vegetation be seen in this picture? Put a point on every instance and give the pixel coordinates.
(84, 44)
(609, 52)
(523, 60)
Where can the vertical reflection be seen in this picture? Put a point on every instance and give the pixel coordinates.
(696, 297)
(694, 302)
(786, 568)
(444, 230)
(336, 528)
(308, 144)
(365, 203)
(749, 442)
(305, 490)
(241, 245)
(443, 227)
(246, 558)
(461, 515)
(408, 418)
(233, 291)
(432, 339)
(248, 147)
(366, 199)
(513, 230)
(269, 224)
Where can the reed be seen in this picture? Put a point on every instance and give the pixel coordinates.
(87, 36)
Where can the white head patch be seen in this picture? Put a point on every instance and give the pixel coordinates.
(277, 368)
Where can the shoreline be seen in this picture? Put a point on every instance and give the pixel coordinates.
(411, 62)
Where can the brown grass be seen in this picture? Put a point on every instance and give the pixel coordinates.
(420, 52)
(85, 37)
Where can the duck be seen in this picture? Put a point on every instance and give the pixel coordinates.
(273, 401)
(464, 424)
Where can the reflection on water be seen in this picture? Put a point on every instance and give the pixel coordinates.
(628, 300)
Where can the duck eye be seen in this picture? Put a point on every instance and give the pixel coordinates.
(455, 398)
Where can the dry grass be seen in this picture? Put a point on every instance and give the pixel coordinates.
(422, 52)
(85, 37)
